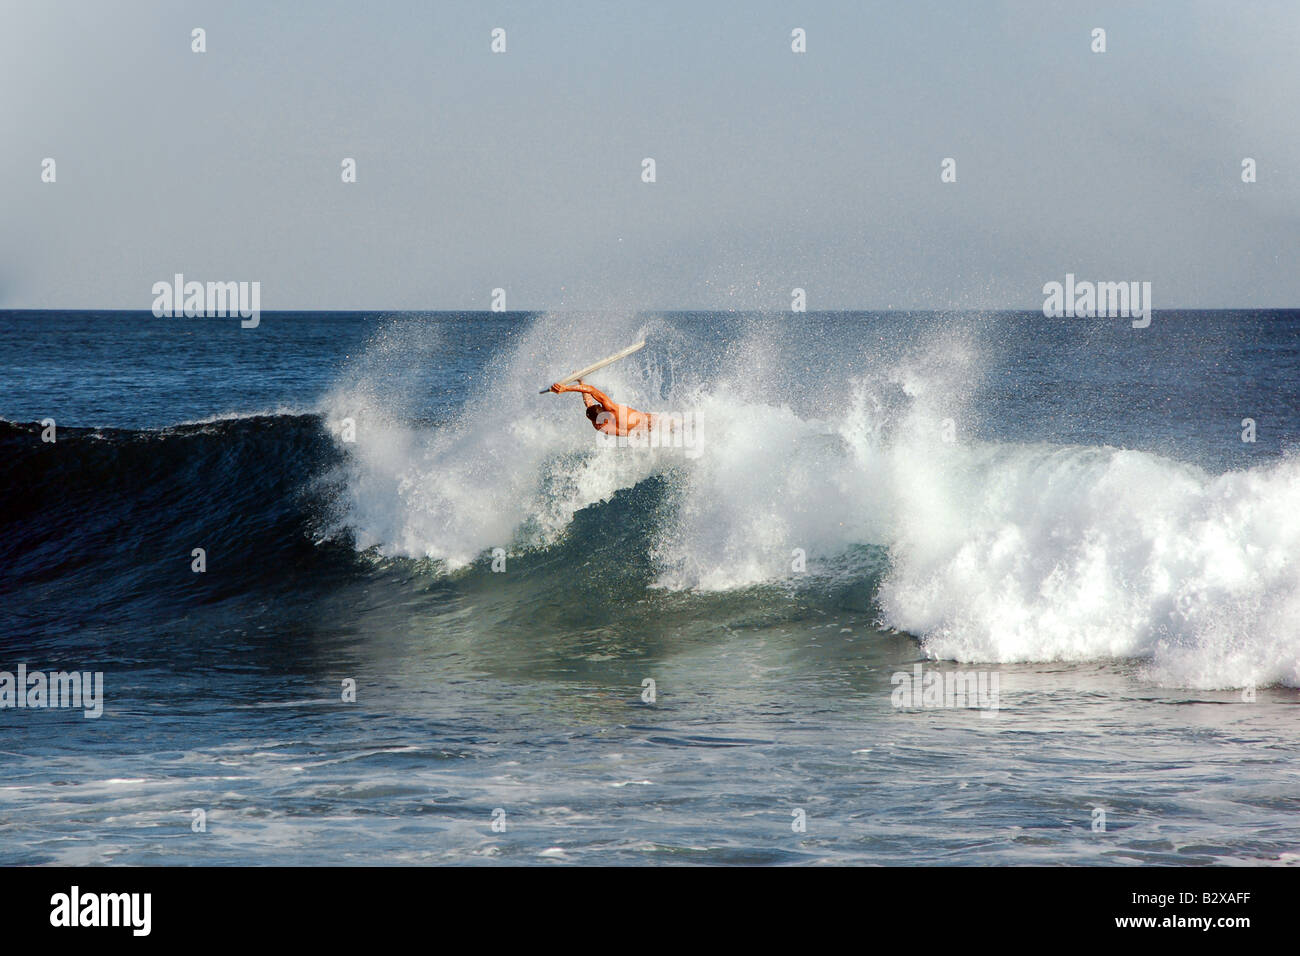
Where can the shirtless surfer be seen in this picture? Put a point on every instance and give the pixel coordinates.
(606, 414)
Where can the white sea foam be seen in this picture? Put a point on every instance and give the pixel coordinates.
(998, 552)
(509, 471)
(277, 412)
(1080, 553)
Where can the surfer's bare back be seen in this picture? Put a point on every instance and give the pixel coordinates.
(607, 415)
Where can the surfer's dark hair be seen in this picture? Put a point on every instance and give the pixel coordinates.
(593, 411)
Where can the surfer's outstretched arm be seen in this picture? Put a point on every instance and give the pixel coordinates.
(590, 395)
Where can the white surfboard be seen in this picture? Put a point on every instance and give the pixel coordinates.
(597, 365)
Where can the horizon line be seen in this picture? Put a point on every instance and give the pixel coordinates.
(672, 311)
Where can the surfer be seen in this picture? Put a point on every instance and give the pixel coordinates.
(607, 415)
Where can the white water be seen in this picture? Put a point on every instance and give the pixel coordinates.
(999, 552)
(509, 471)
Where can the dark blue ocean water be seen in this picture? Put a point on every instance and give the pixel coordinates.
(1067, 505)
(1181, 388)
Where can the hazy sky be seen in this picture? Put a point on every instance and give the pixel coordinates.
(523, 170)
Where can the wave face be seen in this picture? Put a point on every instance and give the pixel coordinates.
(996, 551)
(872, 469)
(100, 525)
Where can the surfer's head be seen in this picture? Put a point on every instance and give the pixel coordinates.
(593, 412)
